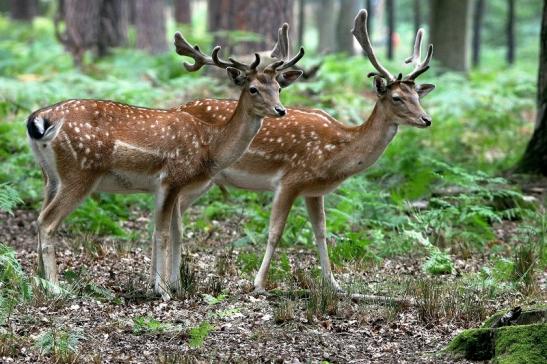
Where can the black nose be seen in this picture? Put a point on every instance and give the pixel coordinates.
(280, 110)
(426, 119)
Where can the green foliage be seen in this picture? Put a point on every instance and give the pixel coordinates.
(14, 283)
(199, 333)
(9, 198)
(149, 325)
(61, 344)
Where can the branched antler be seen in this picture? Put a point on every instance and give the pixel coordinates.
(360, 33)
(281, 47)
(419, 66)
(200, 59)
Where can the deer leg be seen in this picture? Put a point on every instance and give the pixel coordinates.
(316, 212)
(67, 198)
(282, 204)
(165, 203)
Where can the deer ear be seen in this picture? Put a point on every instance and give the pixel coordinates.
(286, 78)
(424, 88)
(238, 77)
(380, 85)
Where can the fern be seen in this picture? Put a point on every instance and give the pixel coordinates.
(9, 198)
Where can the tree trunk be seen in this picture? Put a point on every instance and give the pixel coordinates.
(371, 9)
(23, 10)
(183, 13)
(263, 17)
(477, 27)
(150, 24)
(326, 25)
(114, 20)
(92, 25)
(417, 14)
(450, 22)
(301, 21)
(535, 156)
(344, 38)
(82, 27)
(511, 31)
(390, 13)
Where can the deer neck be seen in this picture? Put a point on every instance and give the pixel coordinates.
(236, 135)
(368, 143)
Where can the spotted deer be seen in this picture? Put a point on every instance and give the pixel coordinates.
(310, 153)
(84, 146)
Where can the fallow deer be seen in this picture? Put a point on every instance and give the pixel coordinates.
(93, 145)
(311, 153)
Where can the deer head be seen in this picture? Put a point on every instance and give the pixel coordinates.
(260, 87)
(399, 97)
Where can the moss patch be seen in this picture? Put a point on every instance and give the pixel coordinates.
(473, 344)
(525, 342)
(521, 344)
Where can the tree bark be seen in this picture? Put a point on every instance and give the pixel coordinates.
(371, 9)
(82, 27)
(92, 25)
(301, 21)
(450, 23)
(150, 24)
(390, 13)
(535, 156)
(263, 17)
(326, 25)
(344, 38)
(183, 12)
(510, 31)
(417, 14)
(23, 10)
(477, 28)
(114, 21)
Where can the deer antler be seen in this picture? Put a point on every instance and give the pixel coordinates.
(419, 66)
(360, 33)
(281, 47)
(283, 65)
(200, 59)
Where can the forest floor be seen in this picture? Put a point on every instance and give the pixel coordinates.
(114, 319)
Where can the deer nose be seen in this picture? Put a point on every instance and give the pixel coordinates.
(426, 119)
(280, 110)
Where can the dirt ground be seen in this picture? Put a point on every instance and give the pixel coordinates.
(244, 325)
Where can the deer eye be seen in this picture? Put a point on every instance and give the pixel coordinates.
(396, 99)
(253, 90)
(280, 89)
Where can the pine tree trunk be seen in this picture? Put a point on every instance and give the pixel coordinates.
(450, 23)
(346, 14)
(535, 156)
(150, 24)
(23, 10)
(183, 12)
(511, 31)
(477, 27)
(390, 13)
(326, 25)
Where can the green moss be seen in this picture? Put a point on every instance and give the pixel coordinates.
(473, 344)
(521, 344)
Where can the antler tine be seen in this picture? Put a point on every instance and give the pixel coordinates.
(234, 63)
(419, 66)
(360, 33)
(281, 47)
(185, 49)
(291, 62)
